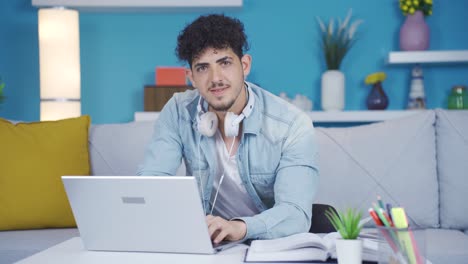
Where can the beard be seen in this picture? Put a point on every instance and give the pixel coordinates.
(224, 107)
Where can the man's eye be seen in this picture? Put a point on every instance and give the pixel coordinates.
(225, 63)
(201, 68)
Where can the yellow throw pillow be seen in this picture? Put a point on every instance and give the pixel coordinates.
(33, 157)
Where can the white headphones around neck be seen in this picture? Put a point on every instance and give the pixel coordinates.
(208, 121)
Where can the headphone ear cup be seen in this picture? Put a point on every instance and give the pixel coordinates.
(208, 124)
(231, 126)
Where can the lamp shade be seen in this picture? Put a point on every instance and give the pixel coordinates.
(59, 62)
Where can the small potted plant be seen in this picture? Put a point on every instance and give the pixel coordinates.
(2, 85)
(336, 40)
(349, 248)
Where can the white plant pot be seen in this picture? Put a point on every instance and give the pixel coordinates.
(333, 90)
(349, 251)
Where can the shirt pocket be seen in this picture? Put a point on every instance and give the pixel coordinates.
(200, 170)
(264, 185)
(196, 165)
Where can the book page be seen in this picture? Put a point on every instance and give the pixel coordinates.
(301, 254)
(296, 241)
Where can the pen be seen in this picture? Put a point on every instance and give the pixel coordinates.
(375, 217)
(381, 216)
(386, 217)
(389, 211)
(386, 223)
(381, 204)
(384, 232)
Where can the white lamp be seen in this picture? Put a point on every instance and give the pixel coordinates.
(59, 62)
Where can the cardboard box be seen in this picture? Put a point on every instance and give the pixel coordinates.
(170, 76)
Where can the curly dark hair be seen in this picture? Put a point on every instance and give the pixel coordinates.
(211, 31)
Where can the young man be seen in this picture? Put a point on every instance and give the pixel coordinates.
(253, 154)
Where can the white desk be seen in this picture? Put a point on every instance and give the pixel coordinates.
(72, 252)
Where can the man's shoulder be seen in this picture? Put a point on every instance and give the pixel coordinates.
(185, 102)
(186, 97)
(276, 109)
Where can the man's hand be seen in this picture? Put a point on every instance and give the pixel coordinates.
(220, 229)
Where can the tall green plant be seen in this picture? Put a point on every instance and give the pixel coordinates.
(2, 85)
(336, 42)
(346, 223)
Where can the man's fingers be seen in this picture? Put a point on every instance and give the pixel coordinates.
(221, 236)
(214, 226)
(213, 219)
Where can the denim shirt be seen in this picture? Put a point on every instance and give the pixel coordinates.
(276, 157)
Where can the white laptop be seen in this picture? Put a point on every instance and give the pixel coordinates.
(139, 213)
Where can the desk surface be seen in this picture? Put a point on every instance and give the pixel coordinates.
(73, 252)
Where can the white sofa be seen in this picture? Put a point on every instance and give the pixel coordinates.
(419, 162)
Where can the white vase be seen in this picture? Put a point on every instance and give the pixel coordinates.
(333, 90)
(349, 251)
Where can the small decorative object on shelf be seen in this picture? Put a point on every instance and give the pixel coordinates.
(377, 99)
(417, 98)
(300, 101)
(458, 98)
(285, 97)
(349, 248)
(414, 33)
(336, 42)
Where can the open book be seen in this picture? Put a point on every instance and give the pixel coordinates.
(305, 247)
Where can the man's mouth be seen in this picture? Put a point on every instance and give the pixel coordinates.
(218, 91)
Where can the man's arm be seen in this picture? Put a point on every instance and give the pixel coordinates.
(164, 153)
(295, 187)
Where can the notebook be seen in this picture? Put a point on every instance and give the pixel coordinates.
(140, 213)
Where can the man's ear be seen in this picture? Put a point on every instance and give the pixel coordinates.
(246, 61)
(188, 74)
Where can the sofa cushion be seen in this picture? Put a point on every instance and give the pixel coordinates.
(394, 159)
(452, 160)
(446, 246)
(34, 157)
(118, 149)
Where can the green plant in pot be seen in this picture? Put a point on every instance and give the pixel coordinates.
(349, 248)
(2, 85)
(336, 39)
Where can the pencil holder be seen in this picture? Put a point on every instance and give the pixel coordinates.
(401, 245)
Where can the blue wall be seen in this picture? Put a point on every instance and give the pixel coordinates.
(119, 52)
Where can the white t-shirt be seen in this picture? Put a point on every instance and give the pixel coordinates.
(233, 199)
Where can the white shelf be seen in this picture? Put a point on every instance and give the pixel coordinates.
(137, 5)
(450, 56)
(358, 116)
(145, 116)
(323, 117)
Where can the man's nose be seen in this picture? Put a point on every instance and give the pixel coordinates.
(216, 75)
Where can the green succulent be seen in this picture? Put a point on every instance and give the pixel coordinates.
(346, 223)
(2, 85)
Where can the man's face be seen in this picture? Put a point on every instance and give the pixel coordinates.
(218, 74)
